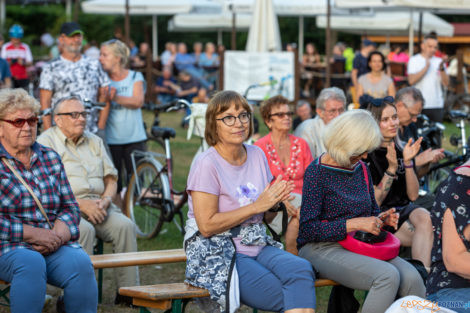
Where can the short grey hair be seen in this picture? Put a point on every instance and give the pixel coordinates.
(61, 101)
(12, 100)
(351, 134)
(409, 96)
(330, 93)
(301, 103)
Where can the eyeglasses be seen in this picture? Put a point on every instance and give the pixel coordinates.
(381, 101)
(412, 115)
(331, 112)
(75, 115)
(229, 120)
(19, 122)
(282, 114)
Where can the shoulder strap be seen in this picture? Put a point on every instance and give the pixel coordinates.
(364, 170)
(15, 172)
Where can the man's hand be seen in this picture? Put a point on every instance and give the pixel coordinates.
(104, 203)
(92, 209)
(429, 156)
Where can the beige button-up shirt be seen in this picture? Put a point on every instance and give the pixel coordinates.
(86, 163)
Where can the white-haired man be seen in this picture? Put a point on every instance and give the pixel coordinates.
(93, 179)
(330, 103)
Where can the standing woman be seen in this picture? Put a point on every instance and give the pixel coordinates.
(230, 190)
(125, 130)
(376, 83)
(396, 184)
(288, 156)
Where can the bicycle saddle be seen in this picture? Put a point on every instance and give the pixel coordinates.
(163, 132)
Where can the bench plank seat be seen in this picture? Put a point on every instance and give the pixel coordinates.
(137, 258)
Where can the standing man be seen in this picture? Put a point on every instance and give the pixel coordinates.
(93, 179)
(5, 74)
(428, 73)
(18, 56)
(360, 64)
(331, 102)
(73, 74)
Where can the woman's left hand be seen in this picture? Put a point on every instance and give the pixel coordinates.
(411, 149)
(390, 218)
(291, 210)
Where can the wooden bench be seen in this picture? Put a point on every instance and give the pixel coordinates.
(101, 261)
(5, 289)
(176, 296)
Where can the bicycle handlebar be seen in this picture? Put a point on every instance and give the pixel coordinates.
(457, 114)
(173, 105)
(88, 104)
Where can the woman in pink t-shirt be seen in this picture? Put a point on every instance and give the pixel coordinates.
(288, 156)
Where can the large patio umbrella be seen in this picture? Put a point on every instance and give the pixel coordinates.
(394, 23)
(208, 23)
(264, 35)
(435, 6)
(152, 8)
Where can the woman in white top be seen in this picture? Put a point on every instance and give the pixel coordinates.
(376, 83)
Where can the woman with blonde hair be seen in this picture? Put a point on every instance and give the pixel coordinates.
(125, 128)
(338, 198)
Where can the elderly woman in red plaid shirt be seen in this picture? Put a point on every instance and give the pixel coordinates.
(39, 216)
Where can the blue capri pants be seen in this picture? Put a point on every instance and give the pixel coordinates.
(69, 268)
(276, 280)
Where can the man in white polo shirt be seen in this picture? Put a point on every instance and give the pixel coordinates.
(428, 73)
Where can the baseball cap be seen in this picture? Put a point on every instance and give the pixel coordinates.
(70, 29)
(367, 42)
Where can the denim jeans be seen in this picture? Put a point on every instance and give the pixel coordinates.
(275, 280)
(69, 268)
(457, 299)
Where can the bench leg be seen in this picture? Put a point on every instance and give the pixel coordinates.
(176, 306)
(4, 295)
(98, 249)
(144, 310)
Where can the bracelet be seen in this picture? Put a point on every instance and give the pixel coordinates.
(108, 197)
(409, 166)
(394, 176)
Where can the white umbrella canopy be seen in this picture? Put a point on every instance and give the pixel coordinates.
(454, 5)
(393, 23)
(208, 22)
(150, 7)
(264, 35)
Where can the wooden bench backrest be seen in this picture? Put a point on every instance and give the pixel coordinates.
(138, 258)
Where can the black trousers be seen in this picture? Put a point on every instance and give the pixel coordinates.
(121, 155)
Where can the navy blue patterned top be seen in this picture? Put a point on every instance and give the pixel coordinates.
(453, 194)
(330, 196)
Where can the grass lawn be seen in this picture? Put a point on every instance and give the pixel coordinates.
(183, 152)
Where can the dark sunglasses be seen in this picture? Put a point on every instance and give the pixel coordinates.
(75, 115)
(19, 122)
(381, 101)
(282, 114)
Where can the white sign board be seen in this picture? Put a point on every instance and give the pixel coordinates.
(268, 74)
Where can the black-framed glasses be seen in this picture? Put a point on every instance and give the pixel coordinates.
(282, 114)
(19, 122)
(75, 115)
(381, 101)
(229, 120)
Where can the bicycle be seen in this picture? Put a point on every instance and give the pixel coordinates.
(439, 172)
(150, 198)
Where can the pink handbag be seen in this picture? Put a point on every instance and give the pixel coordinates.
(385, 250)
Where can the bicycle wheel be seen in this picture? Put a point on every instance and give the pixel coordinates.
(146, 199)
(436, 177)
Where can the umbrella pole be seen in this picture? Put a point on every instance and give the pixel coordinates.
(301, 37)
(154, 38)
(411, 35)
(127, 24)
(328, 44)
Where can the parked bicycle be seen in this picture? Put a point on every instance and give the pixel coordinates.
(439, 172)
(151, 199)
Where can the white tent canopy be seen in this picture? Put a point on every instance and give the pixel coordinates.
(454, 5)
(208, 22)
(264, 35)
(150, 7)
(393, 23)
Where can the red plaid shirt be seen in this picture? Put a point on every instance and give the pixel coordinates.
(48, 180)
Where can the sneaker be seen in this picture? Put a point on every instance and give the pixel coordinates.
(124, 300)
(60, 305)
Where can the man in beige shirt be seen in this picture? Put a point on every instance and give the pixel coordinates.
(93, 179)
